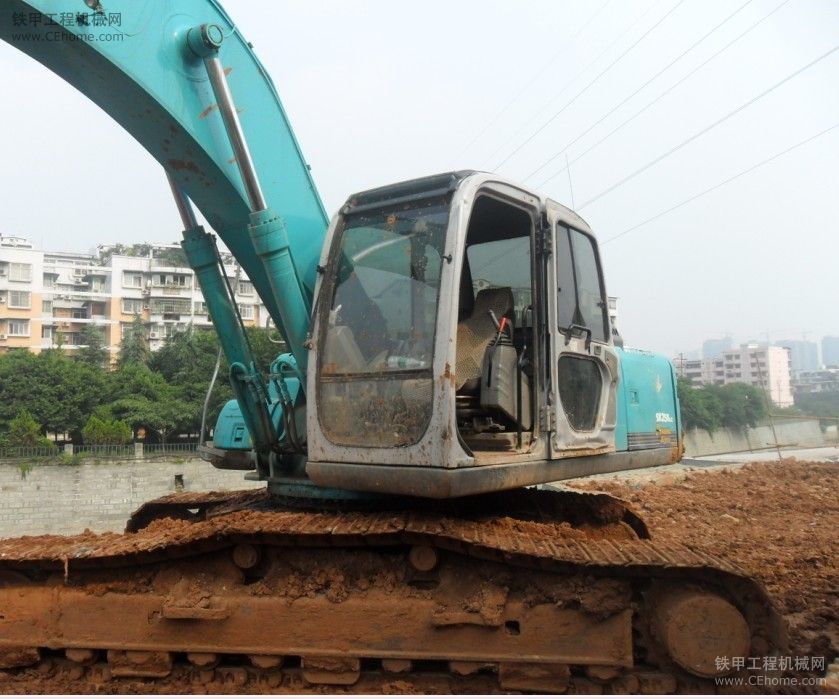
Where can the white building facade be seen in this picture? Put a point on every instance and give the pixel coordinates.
(46, 298)
(762, 366)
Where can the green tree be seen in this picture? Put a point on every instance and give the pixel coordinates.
(742, 405)
(93, 352)
(104, 431)
(24, 431)
(58, 392)
(134, 348)
(266, 345)
(143, 398)
(699, 408)
(735, 406)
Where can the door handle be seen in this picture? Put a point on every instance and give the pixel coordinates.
(569, 331)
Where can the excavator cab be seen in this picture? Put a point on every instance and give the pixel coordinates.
(463, 344)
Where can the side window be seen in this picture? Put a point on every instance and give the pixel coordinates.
(590, 302)
(580, 298)
(566, 293)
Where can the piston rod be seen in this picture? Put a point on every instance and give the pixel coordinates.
(224, 98)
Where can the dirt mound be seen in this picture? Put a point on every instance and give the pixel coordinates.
(777, 520)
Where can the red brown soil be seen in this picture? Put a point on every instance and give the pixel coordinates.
(779, 521)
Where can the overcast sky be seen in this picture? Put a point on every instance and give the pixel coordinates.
(383, 91)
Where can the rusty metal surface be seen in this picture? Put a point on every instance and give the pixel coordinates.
(534, 542)
(541, 544)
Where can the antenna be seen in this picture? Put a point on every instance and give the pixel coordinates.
(570, 184)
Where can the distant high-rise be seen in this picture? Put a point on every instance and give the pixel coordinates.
(830, 351)
(803, 354)
(714, 348)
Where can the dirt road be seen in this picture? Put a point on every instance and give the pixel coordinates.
(778, 520)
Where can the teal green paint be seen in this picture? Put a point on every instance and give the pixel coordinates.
(646, 396)
(270, 240)
(157, 89)
(247, 383)
(155, 86)
(230, 431)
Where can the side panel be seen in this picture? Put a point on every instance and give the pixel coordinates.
(648, 408)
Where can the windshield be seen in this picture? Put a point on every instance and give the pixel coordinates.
(376, 352)
(384, 301)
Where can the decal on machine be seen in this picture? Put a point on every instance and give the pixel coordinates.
(663, 417)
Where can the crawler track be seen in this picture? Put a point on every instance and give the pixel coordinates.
(569, 593)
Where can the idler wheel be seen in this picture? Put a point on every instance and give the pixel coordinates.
(697, 627)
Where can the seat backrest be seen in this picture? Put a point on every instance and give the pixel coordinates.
(478, 330)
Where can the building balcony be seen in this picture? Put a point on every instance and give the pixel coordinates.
(170, 290)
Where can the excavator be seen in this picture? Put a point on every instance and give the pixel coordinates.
(450, 356)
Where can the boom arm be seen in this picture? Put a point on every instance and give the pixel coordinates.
(166, 71)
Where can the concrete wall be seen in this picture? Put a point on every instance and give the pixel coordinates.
(54, 499)
(803, 433)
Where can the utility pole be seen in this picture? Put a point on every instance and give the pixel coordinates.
(768, 394)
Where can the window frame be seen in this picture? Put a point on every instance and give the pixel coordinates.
(23, 321)
(138, 302)
(604, 299)
(19, 305)
(134, 276)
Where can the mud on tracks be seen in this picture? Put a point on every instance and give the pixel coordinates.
(778, 521)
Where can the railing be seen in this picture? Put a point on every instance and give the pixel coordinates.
(176, 449)
(104, 450)
(100, 451)
(13, 453)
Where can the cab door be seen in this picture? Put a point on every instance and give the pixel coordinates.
(584, 368)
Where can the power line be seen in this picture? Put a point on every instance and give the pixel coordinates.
(666, 92)
(576, 76)
(722, 184)
(590, 84)
(708, 128)
(629, 97)
(565, 45)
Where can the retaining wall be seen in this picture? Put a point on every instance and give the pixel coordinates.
(55, 499)
(800, 433)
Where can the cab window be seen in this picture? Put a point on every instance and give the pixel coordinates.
(580, 297)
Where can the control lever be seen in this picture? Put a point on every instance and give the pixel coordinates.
(500, 326)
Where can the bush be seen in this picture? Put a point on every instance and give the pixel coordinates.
(102, 431)
(24, 431)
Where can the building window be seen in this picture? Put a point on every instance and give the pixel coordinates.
(19, 328)
(245, 288)
(132, 306)
(201, 308)
(20, 272)
(170, 279)
(49, 280)
(46, 332)
(132, 279)
(20, 299)
(97, 284)
(170, 306)
(46, 306)
(246, 311)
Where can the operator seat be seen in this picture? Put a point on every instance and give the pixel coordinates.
(477, 331)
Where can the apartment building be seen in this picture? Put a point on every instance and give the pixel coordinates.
(762, 366)
(48, 297)
(818, 381)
